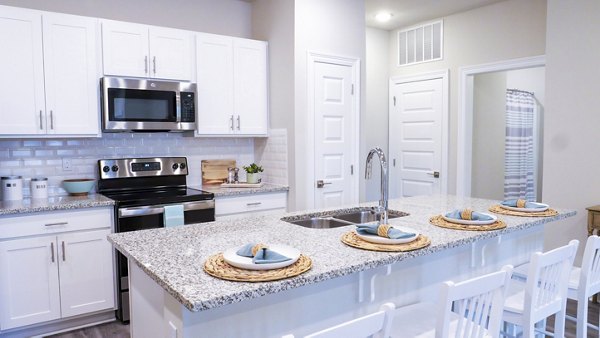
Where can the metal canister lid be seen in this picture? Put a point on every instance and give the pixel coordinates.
(11, 177)
(39, 179)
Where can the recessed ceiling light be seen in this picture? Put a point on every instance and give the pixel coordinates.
(383, 16)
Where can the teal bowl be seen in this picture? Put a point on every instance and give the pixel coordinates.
(79, 186)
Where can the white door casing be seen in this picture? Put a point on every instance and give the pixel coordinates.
(333, 97)
(418, 135)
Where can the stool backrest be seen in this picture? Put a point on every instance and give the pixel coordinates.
(548, 281)
(479, 303)
(377, 324)
(590, 267)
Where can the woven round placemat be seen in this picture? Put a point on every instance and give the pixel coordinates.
(216, 266)
(350, 238)
(441, 222)
(500, 210)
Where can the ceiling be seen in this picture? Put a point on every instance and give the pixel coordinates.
(410, 12)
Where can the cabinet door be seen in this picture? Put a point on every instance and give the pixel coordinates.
(86, 272)
(28, 282)
(250, 73)
(214, 55)
(125, 49)
(170, 54)
(70, 62)
(22, 105)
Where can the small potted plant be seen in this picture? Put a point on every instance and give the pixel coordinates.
(252, 173)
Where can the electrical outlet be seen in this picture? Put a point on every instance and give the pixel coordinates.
(66, 164)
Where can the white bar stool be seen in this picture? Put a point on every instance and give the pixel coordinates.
(472, 308)
(374, 325)
(544, 293)
(584, 282)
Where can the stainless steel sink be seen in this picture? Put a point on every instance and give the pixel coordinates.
(340, 218)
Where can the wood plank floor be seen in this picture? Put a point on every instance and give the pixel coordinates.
(119, 330)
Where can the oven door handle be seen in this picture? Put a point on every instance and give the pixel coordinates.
(159, 209)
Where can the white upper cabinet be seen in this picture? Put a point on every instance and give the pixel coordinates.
(145, 51)
(49, 68)
(72, 92)
(232, 86)
(22, 105)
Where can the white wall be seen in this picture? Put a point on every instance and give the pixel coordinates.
(571, 143)
(505, 30)
(330, 27)
(375, 119)
(227, 17)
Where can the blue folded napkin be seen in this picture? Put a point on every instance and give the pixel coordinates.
(528, 205)
(475, 216)
(263, 255)
(371, 229)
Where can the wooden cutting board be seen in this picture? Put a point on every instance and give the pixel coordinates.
(215, 171)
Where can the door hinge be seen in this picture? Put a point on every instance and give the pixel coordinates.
(394, 101)
(394, 161)
(352, 89)
(351, 169)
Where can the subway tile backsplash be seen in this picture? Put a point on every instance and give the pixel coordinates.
(30, 158)
(271, 154)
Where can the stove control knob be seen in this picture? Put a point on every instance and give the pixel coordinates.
(175, 166)
(182, 166)
(106, 169)
(115, 168)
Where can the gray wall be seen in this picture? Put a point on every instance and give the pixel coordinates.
(571, 142)
(489, 102)
(375, 118)
(227, 17)
(505, 30)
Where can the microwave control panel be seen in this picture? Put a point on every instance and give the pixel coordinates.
(188, 107)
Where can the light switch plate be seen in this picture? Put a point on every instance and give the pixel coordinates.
(66, 164)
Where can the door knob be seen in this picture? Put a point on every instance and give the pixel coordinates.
(321, 184)
(435, 174)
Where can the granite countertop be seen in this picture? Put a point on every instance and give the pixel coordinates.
(224, 192)
(174, 257)
(54, 203)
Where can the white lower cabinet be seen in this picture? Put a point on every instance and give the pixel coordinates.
(250, 205)
(64, 269)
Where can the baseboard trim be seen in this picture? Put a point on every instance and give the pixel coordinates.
(60, 325)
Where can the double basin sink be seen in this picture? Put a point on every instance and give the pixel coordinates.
(340, 218)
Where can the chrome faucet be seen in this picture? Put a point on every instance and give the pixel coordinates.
(383, 202)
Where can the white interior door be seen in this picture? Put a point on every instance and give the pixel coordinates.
(416, 138)
(334, 134)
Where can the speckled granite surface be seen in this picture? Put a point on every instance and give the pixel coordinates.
(174, 257)
(54, 203)
(225, 192)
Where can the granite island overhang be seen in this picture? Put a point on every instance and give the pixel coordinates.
(168, 263)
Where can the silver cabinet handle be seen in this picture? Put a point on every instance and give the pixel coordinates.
(146, 64)
(255, 203)
(41, 126)
(52, 251)
(53, 224)
(51, 120)
(231, 118)
(321, 184)
(63, 249)
(154, 64)
(238, 121)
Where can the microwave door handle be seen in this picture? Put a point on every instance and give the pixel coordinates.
(178, 107)
(140, 211)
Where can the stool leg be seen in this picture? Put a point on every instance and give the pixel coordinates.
(582, 317)
(559, 323)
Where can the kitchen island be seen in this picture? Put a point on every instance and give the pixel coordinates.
(172, 296)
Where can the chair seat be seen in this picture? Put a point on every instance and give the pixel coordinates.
(419, 320)
(515, 297)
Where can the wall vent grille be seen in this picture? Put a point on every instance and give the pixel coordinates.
(421, 44)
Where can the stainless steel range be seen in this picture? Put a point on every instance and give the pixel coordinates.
(142, 189)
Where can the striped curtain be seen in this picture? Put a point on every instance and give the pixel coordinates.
(519, 161)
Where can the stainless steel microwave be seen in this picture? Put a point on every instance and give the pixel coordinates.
(147, 105)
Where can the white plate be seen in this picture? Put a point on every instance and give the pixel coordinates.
(383, 240)
(232, 258)
(546, 206)
(468, 222)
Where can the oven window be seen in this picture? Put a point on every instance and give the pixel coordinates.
(141, 105)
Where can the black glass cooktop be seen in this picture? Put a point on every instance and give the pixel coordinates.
(158, 196)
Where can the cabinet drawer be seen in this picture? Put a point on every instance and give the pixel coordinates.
(250, 203)
(44, 223)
